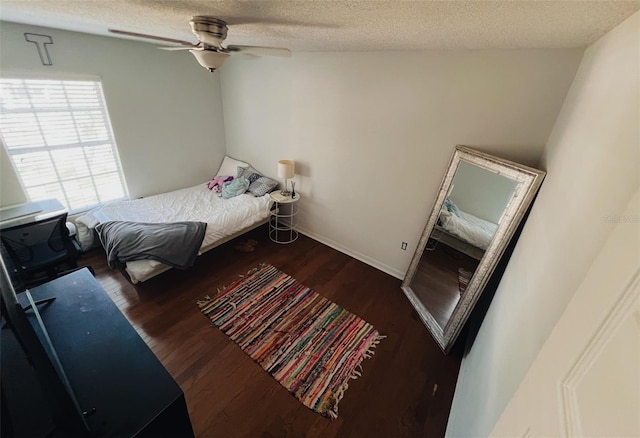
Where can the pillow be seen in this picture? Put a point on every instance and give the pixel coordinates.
(234, 188)
(262, 186)
(84, 231)
(244, 171)
(254, 177)
(444, 218)
(449, 205)
(229, 167)
(249, 173)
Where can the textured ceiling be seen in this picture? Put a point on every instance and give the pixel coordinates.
(320, 25)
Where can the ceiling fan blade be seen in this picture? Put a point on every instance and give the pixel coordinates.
(153, 37)
(261, 51)
(171, 49)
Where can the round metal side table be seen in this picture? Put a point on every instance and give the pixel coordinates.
(282, 223)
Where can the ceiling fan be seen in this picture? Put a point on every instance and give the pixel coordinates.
(209, 52)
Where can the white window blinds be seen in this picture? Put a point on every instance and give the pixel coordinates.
(59, 138)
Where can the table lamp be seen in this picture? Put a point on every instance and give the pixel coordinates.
(286, 171)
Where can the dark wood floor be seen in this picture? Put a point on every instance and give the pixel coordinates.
(436, 281)
(406, 389)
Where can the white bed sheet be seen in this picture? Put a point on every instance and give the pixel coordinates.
(224, 217)
(469, 228)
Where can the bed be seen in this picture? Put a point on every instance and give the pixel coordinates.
(225, 219)
(463, 231)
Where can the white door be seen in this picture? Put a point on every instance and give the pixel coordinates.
(586, 378)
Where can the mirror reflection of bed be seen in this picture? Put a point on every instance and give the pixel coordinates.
(468, 220)
(481, 202)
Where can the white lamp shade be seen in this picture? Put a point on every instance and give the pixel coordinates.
(286, 169)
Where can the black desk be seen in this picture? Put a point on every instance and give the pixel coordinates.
(30, 212)
(109, 366)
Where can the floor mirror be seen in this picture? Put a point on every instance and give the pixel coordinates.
(481, 202)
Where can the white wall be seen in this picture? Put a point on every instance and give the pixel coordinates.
(166, 110)
(585, 382)
(373, 132)
(593, 168)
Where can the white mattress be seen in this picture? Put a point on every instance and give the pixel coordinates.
(469, 228)
(224, 217)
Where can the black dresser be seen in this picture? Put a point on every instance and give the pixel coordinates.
(112, 372)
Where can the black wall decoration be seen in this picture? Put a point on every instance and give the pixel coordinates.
(41, 42)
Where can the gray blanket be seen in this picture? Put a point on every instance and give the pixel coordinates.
(175, 244)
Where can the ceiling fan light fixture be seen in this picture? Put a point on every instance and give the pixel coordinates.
(209, 30)
(209, 52)
(210, 59)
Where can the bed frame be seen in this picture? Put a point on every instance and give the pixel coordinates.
(164, 268)
(441, 235)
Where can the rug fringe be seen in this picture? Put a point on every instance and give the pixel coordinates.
(204, 300)
(256, 269)
(252, 271)
(357, 372)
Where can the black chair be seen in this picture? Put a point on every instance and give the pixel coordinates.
(39, 251)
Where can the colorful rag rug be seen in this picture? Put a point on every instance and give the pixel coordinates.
(309, 344)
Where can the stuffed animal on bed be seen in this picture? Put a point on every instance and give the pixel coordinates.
(216, 183)
(234, 188)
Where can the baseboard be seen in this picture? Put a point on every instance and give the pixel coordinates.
(355, 254)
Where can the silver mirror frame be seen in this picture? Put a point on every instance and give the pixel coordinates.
(528, 183)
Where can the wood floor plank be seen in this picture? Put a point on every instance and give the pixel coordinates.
(406, 388)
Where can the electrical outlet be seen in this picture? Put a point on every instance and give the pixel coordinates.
(404, 246)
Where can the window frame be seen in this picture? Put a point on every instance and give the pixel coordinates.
(81, 145)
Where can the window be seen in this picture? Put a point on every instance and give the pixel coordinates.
(59, 137)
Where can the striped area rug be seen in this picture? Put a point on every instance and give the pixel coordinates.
(309, 344)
